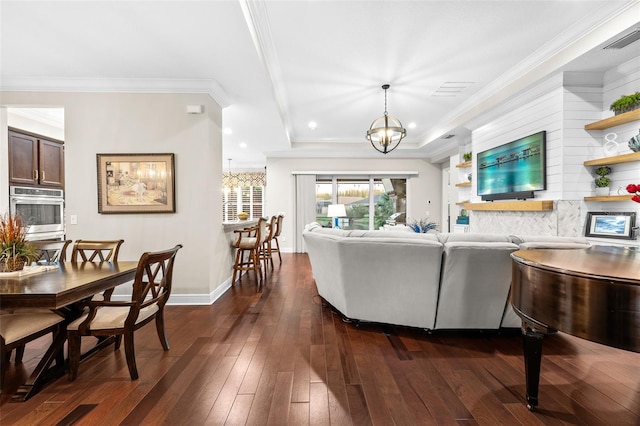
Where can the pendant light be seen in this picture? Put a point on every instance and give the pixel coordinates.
(386, 132)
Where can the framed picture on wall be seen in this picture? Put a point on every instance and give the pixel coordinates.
(136, 183)
(611, 225)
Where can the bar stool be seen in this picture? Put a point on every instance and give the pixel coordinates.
(249, 242)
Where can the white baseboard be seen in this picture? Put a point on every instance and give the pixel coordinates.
(188, 299)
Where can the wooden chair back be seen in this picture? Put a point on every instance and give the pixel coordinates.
(95, 251)
(51, 251)
(152, 284)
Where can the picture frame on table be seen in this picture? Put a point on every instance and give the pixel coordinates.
(136, 183)
(619, 225)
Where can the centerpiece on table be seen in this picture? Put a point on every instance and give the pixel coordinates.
(15, 251)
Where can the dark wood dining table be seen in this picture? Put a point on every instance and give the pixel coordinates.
(60, 289)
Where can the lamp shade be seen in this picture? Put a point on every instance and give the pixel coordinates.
(336, 210)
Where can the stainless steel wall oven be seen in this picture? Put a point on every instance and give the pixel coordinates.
(42, 209)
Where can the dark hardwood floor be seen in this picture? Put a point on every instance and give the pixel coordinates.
(275, 355)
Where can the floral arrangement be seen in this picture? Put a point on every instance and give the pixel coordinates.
(15, 251)
(635, 190)
(423, 225)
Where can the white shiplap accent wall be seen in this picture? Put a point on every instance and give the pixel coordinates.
(544, 112)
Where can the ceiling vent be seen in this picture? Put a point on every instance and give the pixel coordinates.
(624, 41)
(449, 136)
(451, 89)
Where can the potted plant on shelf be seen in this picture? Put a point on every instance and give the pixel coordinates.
(602, 181)
(626, 103)
(466, 156)
(15, 251)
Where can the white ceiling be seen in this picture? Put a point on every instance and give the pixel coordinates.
(276, 65)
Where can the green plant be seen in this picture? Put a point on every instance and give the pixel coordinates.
(602, 182)
(14, 248)
(626, 103)
(466, 156)
(423, 225)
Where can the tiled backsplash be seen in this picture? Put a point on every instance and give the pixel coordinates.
(564, 220)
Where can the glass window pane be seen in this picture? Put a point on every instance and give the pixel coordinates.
(324, 195)
(354, 194)
(391, 202)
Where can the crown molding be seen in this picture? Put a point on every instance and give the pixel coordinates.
(116, 85)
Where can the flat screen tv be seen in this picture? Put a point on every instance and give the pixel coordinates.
(513, 170)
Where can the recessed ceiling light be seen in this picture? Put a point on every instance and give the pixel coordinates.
(243, 145)
(227, 131)
(411, 125)
(312, 125)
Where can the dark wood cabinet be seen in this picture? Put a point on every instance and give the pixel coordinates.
(35, 160)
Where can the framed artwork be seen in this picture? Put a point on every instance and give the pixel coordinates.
(611, 225)
(136, 183)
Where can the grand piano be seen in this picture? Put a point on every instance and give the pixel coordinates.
(590, 293)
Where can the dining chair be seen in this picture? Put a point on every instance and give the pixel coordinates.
(248, 245)
(265, 249)
(48, 252)
(151, 290)
(51, 251)
(276, 249)
(17, 329)
(97, 251)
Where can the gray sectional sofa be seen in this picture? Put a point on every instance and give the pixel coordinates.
(431, 281)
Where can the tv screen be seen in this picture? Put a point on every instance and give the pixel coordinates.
(513, 170)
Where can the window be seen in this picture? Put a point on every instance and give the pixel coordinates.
(370, 203)
(243, 192)
(244, 199)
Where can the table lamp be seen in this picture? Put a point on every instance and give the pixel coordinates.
(335, 211)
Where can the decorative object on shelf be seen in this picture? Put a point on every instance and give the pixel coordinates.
(610, 146)
(15, 251)
(634, 142)
(386, 132)
(243, 216)
(423, 225)
(602, 181)
(469, 176)
(626, 103)
(463, 219)
(635, 190)
(620, 225)
(466, 156)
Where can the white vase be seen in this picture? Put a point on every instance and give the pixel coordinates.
(601, 192)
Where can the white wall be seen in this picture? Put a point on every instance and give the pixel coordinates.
(147, 123)
(562, 106)
(423, 192)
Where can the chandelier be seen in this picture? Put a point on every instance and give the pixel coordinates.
(386, 132)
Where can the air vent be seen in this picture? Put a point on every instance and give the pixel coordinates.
(448, 136)
(624, 41)
(451, 89)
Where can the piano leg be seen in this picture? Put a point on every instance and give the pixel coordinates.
(532, 358)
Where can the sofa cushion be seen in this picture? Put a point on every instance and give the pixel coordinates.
(474, 237)
(392, 234)
(528, 242)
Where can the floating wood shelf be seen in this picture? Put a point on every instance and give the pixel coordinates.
(616, 159)
(532, 205)
(465, 164)
(463, 184)
(626, 197)
(616, 120)
(462, 203)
